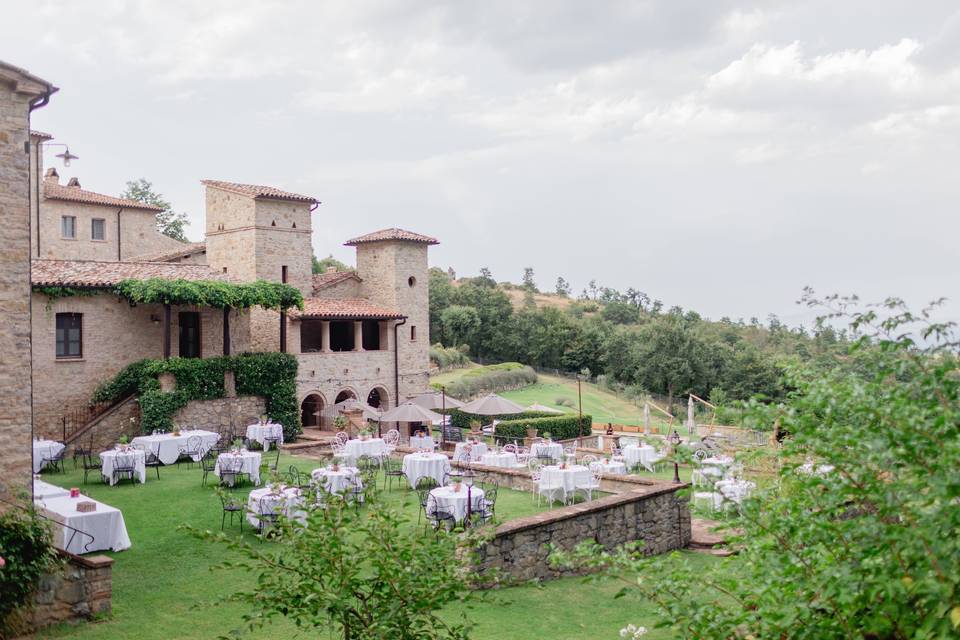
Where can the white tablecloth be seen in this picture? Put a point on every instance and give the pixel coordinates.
(567, 478)
(44, 449)
(43, 490)
(106, 525)
(642, 454)
(552, 449)
(425, 465)
(735, 490)
(456, 502)
(716, 467)
(249, 463)
(612, 467)
(374, 447)
(423, 442)
(476, 450)
(508, 460)
(287, 502)
(337, 481)
(133, 457)
(260, 433)
(169, 444)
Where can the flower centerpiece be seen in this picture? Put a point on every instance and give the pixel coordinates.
(457, 485)
(263, 418)
(335, 466)
(365, 433)
(237, 445)
(176, 430)
(546, 436)
(123, 442)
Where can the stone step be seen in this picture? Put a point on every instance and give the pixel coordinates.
(716, 552)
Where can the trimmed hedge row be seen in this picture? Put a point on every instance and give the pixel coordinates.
(559, 427)
(270, 375)
(462, 420)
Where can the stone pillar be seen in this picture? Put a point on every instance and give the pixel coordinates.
(325, 336)
(384, 326)
(357, 335)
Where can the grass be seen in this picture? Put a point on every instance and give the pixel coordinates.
(161, 584)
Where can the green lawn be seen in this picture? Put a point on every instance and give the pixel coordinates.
(161, 584)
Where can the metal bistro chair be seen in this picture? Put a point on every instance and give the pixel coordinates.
(267, 514)
(124, 467)
(270, 467)
(151, 459)
(490, 499)
(54, 462)
(192, 452)
(80, 452)
(232, 506)
(392, 469)
(438, 517)
(93, 463)
(209, 465)
(479, 511)
(231, 470)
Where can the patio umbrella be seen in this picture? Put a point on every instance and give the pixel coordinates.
(410, 412)
(370, 413)
(543, 408)
(646, 419)
(491, 405)
(436, 400)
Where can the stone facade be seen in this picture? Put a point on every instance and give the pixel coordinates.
(221, 414)
(17, 90)
(519, 550)
(82, 589)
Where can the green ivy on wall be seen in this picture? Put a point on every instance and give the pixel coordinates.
(270, 375)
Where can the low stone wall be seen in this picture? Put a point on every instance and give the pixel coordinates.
(82, 589)
(221, 413)
(519, 479)
(518, 551)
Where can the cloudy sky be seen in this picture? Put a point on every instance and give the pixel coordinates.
(717, 155)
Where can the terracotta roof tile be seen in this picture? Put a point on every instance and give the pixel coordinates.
(353, 308)
(90, 273)
(324, 280)
(54, 191)
(259, 191)
(391, 234)
(189, 249)
(41, 134)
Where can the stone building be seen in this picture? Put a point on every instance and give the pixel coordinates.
(20, 94)
(361, 335)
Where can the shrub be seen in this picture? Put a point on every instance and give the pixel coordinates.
(448, 357)
(492, 379)
(563, 402)
(28, 553)
(463, 420)
(559, 427)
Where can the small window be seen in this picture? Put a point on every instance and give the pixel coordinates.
(69, 335)
(68, 227)
(98, 229)
(413, 333)
(283, 274)
(411, 281)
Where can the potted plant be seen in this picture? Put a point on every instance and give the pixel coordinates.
(238, 445)
(365, 433)
(547, 436)
(176, 430)
(263, 418)
(123, 441)
(531, 432)
(340, 423)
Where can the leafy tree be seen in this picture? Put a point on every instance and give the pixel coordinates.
(493, 307)
(321, 266)
(485, 278)
(528, 282)
(351, 574)
(671, 357)
(857, 538)
(563, 288)
(460, 324)
(620, 312)
(169, 222)
(441, 292)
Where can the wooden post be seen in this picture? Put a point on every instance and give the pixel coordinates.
(166, 331)
(226, 331)
(283, 332)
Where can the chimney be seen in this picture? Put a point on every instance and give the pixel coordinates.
(51, 176)
(74, 182)
(332, 269)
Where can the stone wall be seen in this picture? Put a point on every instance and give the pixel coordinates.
(81, 590)
(104, 434)
(222, 413)
(655, 515)
(16, 418)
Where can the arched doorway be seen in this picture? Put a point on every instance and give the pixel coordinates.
(310, 410)
(378, 398)
(346, 394)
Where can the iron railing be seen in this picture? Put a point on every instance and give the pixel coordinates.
(76, 420)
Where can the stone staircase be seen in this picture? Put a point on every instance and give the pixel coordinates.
(312, 442)
(711, 537)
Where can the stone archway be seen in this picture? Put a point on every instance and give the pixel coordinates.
(311, 410)
(378, 398)
(346, 394)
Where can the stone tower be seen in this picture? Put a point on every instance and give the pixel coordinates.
(255, 232)
(392, 265)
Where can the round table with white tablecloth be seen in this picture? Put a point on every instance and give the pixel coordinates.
(246, 462)
(716, 467)
(337, 480)
(167, 446)
(425, 465)
(553, 450)
(735, 490)
(45, 450)
(642, 454)
(421, 442)
(354, 449)
(260, 432)
(135, 458)
(474, 449)
(503, 459)
(611, 466)
(279, 500)
(568, 478)
(455, 502)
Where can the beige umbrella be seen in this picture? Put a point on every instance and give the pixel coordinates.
(369, 413)
(410, 412)
(543, 408)
(491, 405)
(436, 400)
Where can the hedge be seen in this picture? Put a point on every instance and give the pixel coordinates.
(462, 420)
(270, 375)
(491, 379)
(559, 427)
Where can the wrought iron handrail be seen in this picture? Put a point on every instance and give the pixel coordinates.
(76, 420)
(74, 530)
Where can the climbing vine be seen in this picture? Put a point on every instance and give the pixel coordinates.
(55, 293)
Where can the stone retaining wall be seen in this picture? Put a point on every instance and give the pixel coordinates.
(222, 413)
(655, 515)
